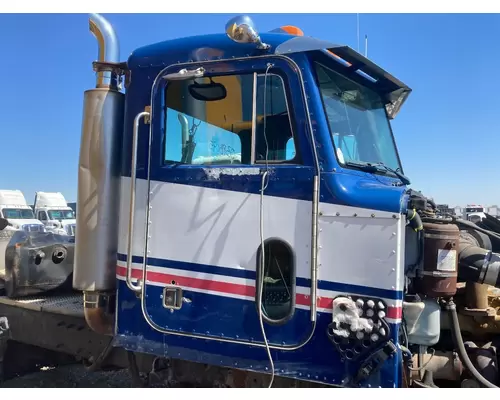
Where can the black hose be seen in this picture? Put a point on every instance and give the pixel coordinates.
(97, 364)
(462, 353)
(477, 228)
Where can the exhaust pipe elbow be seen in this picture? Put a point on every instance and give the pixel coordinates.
(96, 307)
(108, 48)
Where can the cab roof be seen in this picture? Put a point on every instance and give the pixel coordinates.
(218, 47)
(200, 48)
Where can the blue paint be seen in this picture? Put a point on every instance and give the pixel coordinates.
(217, 315)
(318, 359)
(198, 49)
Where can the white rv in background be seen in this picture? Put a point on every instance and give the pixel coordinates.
(15, 209)
(53, 211)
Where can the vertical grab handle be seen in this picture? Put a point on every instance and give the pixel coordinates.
(132, 286)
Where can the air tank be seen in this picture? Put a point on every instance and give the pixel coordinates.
(438, 277)
(99, 169)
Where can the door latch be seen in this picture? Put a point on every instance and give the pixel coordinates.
(172, 297)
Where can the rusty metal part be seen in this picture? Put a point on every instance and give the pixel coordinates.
(97, 311)
(444, 365)
(476, 296)
(479, 322)
(439, 275)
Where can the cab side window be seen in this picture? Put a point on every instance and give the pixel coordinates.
(208, 121)
(42, 216)
(274, 137)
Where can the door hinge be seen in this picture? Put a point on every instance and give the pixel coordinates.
(147, 118)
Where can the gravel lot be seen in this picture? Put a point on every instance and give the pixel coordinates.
(70, 376)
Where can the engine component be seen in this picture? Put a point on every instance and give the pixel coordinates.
(423, 321)
(479, 265)
(484, 359)
(444, 365)
(358, 325)
(462, 352)
(439, 275)
(476, 297)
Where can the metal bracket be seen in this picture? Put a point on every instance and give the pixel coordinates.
(147, 118)
(118, 68)
(374, 362)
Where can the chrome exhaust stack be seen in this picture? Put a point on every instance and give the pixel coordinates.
(108, 50)
(99, 181)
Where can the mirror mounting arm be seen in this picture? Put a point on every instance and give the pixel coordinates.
(185, 74)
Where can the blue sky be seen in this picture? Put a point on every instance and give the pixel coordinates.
(448, 133)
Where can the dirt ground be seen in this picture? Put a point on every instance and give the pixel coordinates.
(69, 376)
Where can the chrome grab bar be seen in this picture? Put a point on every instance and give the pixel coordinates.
(132, 286)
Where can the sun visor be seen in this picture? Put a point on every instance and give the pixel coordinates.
(393, 91)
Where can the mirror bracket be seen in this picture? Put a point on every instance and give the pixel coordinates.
(185, 74)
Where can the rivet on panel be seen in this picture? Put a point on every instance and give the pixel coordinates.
(337, 214)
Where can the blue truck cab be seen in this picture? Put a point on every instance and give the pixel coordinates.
(244, 220)
(188, 167)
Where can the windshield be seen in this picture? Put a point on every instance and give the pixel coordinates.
(18, 213)
(61, 214)
(358, 121)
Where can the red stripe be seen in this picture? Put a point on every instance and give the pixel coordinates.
(233, 288)
(394, 312)
(194, 283)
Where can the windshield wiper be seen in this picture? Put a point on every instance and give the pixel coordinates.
(375, 167)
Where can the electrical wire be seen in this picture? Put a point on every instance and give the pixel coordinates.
(261, 276)
(263, 187)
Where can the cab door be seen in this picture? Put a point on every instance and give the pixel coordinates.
(217, 142)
